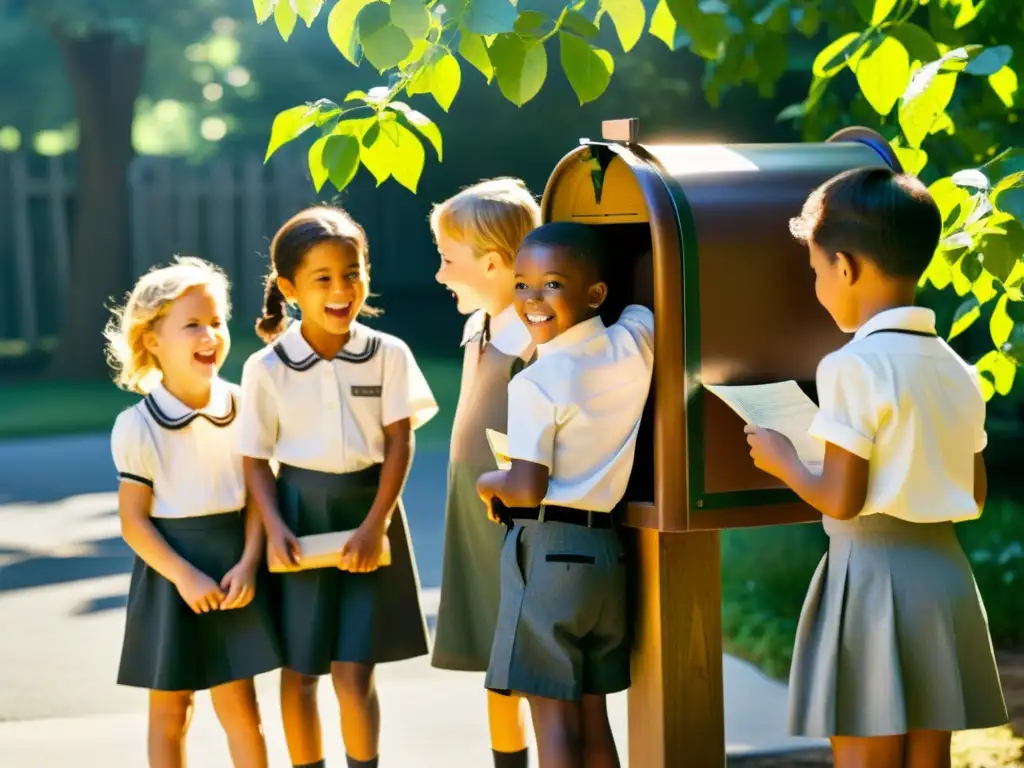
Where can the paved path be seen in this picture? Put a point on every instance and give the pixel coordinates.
(63, 583)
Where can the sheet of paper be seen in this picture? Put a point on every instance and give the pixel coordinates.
(781, 406)
(322, 550)
(499, 447)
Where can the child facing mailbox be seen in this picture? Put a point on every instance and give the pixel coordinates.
(574, 414)
(892, 651)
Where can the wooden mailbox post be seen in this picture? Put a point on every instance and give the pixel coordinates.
(734, 304)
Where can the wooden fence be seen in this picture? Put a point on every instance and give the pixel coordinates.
(224, 211)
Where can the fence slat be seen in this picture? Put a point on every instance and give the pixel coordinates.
(221, 222)
(138, 173)
(23, 261)
(255, 238)
(59, 222)
(186, 192)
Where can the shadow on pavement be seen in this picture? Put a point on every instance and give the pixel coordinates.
(101, 604)
(102, 557)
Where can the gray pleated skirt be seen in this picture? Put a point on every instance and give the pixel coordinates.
(167, 646)
(470, 583)
(893, 636)
(326, 614)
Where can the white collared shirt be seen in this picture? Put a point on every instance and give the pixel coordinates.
(329, 415)
(187, 457)
(509, 334)
(577, 408)
(913, 408)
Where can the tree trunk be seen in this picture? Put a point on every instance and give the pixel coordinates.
(106, 75)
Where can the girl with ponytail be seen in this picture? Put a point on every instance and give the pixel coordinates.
(334, 403)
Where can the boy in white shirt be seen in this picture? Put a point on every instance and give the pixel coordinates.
(574, 414)
(892, 650)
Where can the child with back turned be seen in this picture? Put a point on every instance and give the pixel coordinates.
(335, 403)
(197, 612)
(893, 650)
(573, 418)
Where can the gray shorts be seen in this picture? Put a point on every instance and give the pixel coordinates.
(562, 629)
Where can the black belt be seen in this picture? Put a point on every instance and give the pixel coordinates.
(553, 514)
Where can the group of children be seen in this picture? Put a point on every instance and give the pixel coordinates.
(893, 650)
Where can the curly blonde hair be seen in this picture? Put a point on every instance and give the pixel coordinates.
(135, 368)
(492, 216)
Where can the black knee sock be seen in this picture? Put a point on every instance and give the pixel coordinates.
(353, 763)
(317, 764)
(511, 759)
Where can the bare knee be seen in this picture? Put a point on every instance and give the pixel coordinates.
(169, 713)
(235, 705)
(868, 752)
(296, 684)
(928, 749)
(353, 680)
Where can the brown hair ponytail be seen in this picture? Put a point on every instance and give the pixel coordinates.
(271, 322)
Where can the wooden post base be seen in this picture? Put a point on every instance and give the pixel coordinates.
(676, 712)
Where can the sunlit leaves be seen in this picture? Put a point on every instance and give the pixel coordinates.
(285, 18)
(1004, 83)
(629, 18)
(473, 49)
(520, 66)
(664, 27)
(588, 68)
(384, 44)
(307, 10)
(410, 16)
(264, 9)
(965, 315)
(926, 97)
(341, 158)
(997, 373)
(837, 54)
(341, 27)
(705, 25)
(288, 126)
(441, 78)
(421, 123)
(882, 74)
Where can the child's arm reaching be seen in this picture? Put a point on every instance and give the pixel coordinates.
(838, 492)
(362, 552)
(847, 421)
(524, 485)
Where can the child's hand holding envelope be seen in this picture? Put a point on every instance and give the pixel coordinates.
(323, 550)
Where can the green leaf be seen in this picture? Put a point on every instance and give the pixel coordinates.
(490, 17)
(970, 268)
(948, 196)
(409, 158)
(967, 13)
(664, 28)
(341, 27)
(998, 372)
(421, 123)
(989, 61)
(264, 9)
(377, 152)
(341, 156)
(445, 79)
(912, 160)
(474, 50)
(1006, 163)
(384, 44)
(315, 159)
(806, 19)
(837, 54)
(530, 23)
(581, 25)
(588, 69)
(288, 126)
(1001, 246)
(919, 43)
(1004, 83)
(708, 31)
(285, 18)
(412, 17)
(926, 97)
(774, 16)
(521, 68)
(1011, 201)
(308, 10)
(629, 18)
(883, 73)
(881, 11)
(1001, 324)
(984, 288)
(1015, 311)
(938, 274)
(964, 317)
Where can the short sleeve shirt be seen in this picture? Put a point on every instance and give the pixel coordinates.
(329, 415)
(577, 408)
(188, 457)
(901, 398)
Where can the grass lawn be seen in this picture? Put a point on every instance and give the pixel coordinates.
(47, 408)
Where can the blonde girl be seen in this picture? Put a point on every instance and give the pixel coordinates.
(478, 232)
(196, 617)
(334, 403)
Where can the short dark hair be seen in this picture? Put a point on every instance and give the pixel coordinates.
(581, 242)
(876, 213)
